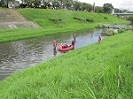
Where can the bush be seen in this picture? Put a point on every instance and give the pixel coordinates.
(90, 20)
(121, 30)
(105, 18)
(56, 21)
(131, 19)
(100, 26)
(80, 19)
(109, 33)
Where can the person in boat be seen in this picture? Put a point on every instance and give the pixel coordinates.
(61, 45)
(65, 45)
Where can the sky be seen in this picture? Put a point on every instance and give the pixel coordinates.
(120, 4)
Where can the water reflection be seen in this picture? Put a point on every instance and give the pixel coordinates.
(21, 54)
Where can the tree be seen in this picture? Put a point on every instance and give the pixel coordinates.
(131, 19)
(36, 3)
(86, 7)
(77, 5)
(1, 2)
(56, 4)
(5, 3)
(61, 3)
(99, 9)
(48, 3)
(24, 3)
(117, 11)
(107, 8)
(68, 4)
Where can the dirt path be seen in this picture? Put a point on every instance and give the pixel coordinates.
(9, 18)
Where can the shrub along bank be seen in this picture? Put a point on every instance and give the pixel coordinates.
(96, 71)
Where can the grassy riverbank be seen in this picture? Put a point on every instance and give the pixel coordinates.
(97, 71)
(57, 21)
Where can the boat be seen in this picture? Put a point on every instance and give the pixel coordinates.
(65, 47)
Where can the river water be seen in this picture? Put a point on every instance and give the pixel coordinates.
(17, 55)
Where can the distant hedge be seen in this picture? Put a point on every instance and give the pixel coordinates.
(81, 19)
(56, 20)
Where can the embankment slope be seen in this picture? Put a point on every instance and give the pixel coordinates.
(97, 71)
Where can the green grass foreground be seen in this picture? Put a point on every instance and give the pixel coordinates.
(97, 71)
(57, 21)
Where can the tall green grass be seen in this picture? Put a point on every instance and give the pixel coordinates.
(66, 25)
(97, 71)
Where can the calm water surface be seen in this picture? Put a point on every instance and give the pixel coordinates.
(17, 55)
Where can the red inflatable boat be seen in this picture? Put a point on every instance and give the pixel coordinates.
(65, 47)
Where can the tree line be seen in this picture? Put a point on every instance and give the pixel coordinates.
(61, 4)
(64, 4)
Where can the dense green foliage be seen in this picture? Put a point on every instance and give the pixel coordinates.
(107, 8)
(66, 24)
(130, 19)
(97, 71)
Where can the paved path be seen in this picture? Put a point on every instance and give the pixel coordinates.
(9, 18)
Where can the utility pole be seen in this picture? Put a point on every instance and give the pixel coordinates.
(93, 7)
(7, 4)
(22, 3)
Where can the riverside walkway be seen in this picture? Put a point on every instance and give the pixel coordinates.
(10, 18)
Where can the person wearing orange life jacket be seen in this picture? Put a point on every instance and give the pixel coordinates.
(61, 45)
(65, 45)
(54, 43)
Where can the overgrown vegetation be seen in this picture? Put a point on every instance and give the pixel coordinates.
(122, 30)
(130, 19)
(97, 71)
(56, 21)
(110, 32)
(84, 20)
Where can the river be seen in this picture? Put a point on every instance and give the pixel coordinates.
(17, 55)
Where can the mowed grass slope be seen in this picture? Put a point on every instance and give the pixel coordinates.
(67, 17)
(57, 21)
(98, 71)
